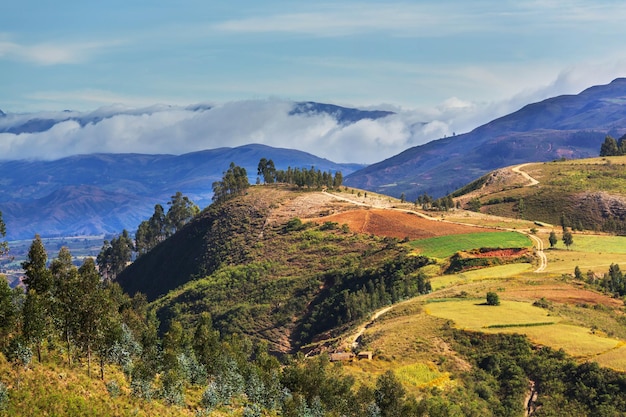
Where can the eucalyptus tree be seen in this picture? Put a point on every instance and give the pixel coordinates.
(37, 309)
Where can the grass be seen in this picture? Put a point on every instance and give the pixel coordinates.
(422, 375)
(494, 272)
(444, 246)
(54, 389)
(598, 244)
(474, 315)
(534, 322)
(564, 261)
(615, 358)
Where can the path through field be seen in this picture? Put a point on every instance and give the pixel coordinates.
(543, 259)
(354, 344)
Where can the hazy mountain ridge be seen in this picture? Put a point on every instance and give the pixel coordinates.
(105, 193)
(570, 126)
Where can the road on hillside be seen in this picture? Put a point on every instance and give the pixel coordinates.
(531, 180)
(538, 243)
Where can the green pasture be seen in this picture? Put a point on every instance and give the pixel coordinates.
(597, 244)
(589, 252)
(534, 322)
(445, 246)
(475, 315)
(494, 272)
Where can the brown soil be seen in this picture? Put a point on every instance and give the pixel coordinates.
(564, 295)
(393, 223)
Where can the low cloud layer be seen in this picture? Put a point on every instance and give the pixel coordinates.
(177, 130)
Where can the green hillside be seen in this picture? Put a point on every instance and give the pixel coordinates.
(272, 279)
(587, 194)
(240, 312)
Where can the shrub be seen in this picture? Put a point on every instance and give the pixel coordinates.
(4, 397)
(113, 388)
(493, 299)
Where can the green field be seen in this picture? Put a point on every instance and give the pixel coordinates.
(445, 246)
(494, 272)
(534, 322)
(597, 244)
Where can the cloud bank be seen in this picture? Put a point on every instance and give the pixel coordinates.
(178, 130)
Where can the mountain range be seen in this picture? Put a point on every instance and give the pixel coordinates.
(104, 193)
(567, 126)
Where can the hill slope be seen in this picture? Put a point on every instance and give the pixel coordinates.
(587, 194)
(258, 271)
(570, 126)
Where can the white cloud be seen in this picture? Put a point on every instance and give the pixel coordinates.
(176, 129)
(53, 53)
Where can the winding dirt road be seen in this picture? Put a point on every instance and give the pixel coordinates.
(531, 180)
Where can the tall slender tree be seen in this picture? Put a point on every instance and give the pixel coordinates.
(66, 281)
(115, 255)
(37, 310)
(4, 246)
(181, 211)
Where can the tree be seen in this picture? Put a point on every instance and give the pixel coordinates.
(338, 179)
(151, 232)
(389, 395)
(4, 246)
(65, 279)
(37, 310)
(267, 169)
(568, 238)
(615, 281)
(37, 323)
(37, 277)
(609, 147)
(553, 239)
(578, 274)
(181, 211)
(9, 312)
(493, 299)
(474, 204)
(93, 310)
(115, 255)
(233, 183)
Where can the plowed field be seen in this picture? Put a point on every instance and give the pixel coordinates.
(393, 223)
(563, 294)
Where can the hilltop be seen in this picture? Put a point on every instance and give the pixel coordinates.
(585, 194)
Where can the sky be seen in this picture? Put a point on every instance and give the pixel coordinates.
(444, 66)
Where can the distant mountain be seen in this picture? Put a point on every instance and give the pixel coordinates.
(105, 193)
(41, 122)
(342, 114)
(568, 126)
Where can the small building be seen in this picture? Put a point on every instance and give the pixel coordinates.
(366, 354)
(341, 356)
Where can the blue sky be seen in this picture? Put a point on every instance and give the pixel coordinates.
(475, 59)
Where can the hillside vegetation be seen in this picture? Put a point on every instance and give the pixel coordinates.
(237, 297)
(585, 194)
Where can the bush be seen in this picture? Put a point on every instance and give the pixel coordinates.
(493, 299)
(113, 388)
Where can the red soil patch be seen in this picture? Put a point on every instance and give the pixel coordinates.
(394, 223)
(499, 253)
(564, 295)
